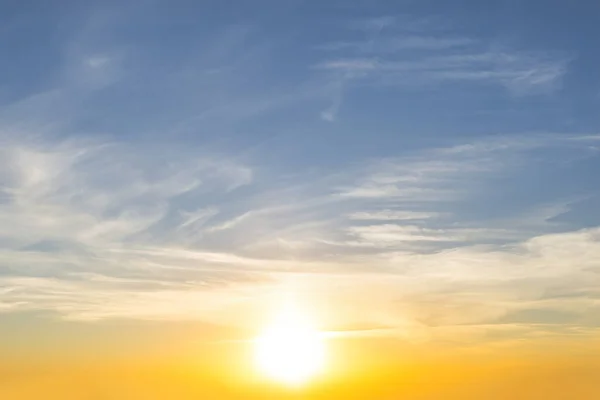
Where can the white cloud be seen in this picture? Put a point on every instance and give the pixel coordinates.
(198, 217)
(70, 199)
(392, 215)
(97, 61)
(350, 65)
(520, 72)
(393, 54)
(395, 44)
(446, 173)
(388, 233)
(98, 231)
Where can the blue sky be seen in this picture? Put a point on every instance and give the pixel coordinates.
(188, 160)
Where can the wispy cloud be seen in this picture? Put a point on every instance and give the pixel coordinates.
(392, 215)
(95, 230)
(391, 55)
(520, 72)
(397, 44)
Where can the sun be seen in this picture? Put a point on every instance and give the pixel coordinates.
(290, 350)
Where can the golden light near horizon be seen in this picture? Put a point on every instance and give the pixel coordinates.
(290, 350)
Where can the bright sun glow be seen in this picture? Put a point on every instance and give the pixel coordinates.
(290, 350)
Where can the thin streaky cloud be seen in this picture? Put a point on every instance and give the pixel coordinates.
(387, 57)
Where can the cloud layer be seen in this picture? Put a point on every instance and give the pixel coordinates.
(204, 185)
(97, 230)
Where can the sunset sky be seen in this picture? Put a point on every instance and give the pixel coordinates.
(420, 178)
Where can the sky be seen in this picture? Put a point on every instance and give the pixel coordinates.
(421, 175)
